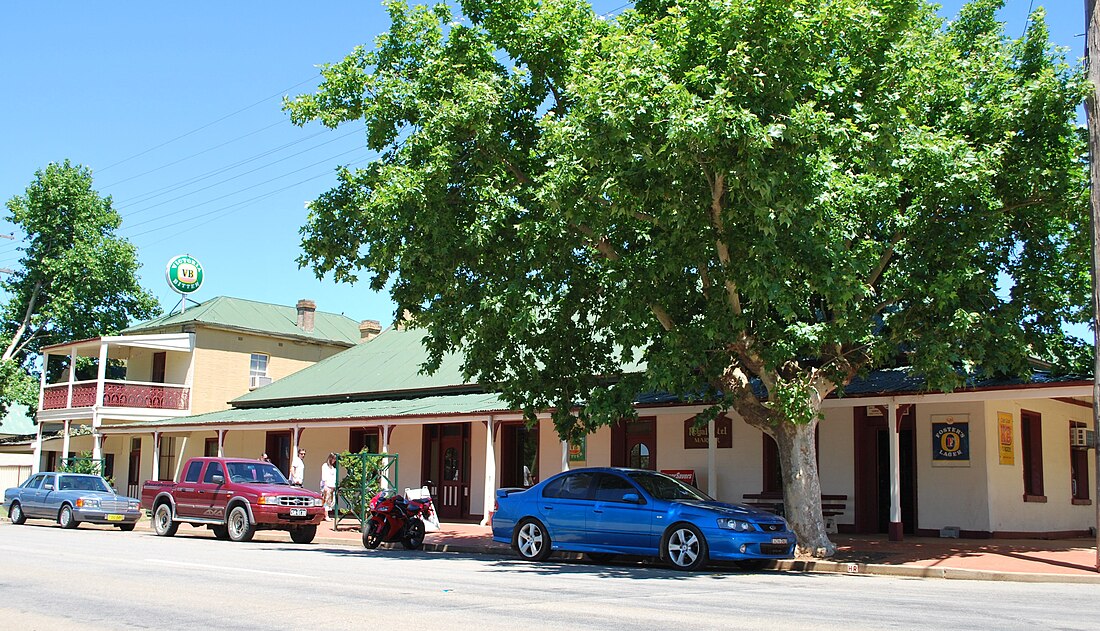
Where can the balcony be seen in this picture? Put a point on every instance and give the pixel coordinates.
(117, 394)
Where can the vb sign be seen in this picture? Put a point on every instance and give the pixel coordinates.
(184, 274)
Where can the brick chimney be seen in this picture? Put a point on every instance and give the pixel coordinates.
(307, 310)
(369, 329)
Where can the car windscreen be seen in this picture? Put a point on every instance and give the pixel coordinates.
(255, 473)
(82, 483)
(663, 487)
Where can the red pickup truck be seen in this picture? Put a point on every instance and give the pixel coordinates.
(234, 497)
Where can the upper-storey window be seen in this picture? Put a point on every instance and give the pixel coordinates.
(257, 371)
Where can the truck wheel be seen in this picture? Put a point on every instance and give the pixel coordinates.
(66, 518)
(414, 535)
(240, 529)
(373, 536)
(220, 532)
(18, 517)
(162, 520)
(305, 534)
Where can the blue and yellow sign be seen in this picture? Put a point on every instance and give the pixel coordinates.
(951, 441)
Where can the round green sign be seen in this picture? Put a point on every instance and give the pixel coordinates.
(184, 274)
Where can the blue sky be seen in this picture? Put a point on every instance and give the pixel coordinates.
(176, 109)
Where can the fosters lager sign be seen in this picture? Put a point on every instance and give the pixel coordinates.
(184, 274)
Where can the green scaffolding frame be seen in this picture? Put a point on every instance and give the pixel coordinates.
(359, 476)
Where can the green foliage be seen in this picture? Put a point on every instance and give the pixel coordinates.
(361, 475)
(76, 278)
(84, 463)
(711, 192)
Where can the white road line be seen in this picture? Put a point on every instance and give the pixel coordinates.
(226, 568)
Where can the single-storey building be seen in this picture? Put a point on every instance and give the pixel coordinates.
(990, 460)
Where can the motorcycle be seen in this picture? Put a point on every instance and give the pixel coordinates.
(394, 518)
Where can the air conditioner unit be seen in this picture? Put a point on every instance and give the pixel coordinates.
(257, 382)
(1082, 438)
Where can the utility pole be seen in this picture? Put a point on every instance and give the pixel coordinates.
(1092, 102)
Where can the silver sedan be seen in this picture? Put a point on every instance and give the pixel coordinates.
(71, 498)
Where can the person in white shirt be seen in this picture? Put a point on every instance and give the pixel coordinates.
(298, 468)
(328, 484)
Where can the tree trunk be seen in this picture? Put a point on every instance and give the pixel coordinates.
(802, 487)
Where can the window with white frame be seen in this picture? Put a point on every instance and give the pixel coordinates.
(257, 371)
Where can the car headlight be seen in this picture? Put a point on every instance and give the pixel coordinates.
(134, 504)
(87, 502)
(270, 500)
(735, 525)
(317, 501)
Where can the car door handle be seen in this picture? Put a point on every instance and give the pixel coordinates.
(547, 508)
(596, 510)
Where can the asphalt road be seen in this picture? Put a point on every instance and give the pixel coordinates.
(93, 578)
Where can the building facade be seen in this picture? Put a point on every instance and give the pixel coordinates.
(992, 460)
(174, 366)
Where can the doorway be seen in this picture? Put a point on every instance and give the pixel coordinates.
(634, 444)
(133, 471)
(519, 455)
(872, 467)
(446, 468)
(278, 450)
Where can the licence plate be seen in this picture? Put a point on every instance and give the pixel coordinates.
(297, 512)
(782, 540)
(115, 517)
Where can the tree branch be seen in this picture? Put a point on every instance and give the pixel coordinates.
(718, 189)
(26, 320)
(883, 261)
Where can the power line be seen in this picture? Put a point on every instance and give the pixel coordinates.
(1027, 18)
(175, 221)
(193, 155)
(239, 175)
(210, 124)
(237, 205)
(164, 190)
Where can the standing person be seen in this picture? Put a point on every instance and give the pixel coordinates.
(328, 485)
(298, 468)
(264, 458)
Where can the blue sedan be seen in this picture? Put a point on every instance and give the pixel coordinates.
(71, 498)
(610, 511)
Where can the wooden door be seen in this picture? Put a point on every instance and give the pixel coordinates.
(449, 447)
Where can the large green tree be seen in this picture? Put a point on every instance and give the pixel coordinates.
(753, 201)
(77, 278)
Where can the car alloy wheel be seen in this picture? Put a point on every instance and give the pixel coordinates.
(17, 516)
(531, 541)
(66, 518)
(686, 548)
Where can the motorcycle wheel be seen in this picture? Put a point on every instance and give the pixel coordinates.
(414, 534)
(372, 538)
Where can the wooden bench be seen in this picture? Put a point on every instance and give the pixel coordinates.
(831, 505)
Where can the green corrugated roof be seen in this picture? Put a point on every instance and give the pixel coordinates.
(366, 410)
(387, 364)
(262, 317)
(18, 421)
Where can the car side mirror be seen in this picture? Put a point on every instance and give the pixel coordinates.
(217, 479)
(48, 486)
(632, 498)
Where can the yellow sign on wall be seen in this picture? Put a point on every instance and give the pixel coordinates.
(1004, 433)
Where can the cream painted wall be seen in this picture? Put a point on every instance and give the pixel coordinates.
(222, 364)
(407, 441)
(1008, 512)
(836, 458)
(139, 367)
(952, 496)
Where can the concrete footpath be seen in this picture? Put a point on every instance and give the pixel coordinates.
(1023, 560)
